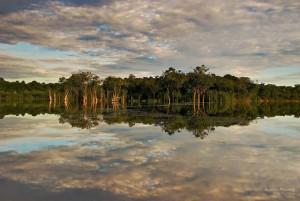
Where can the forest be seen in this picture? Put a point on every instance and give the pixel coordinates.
(173, 86)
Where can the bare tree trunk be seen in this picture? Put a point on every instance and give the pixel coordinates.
(123, 100)
(198, 100)
(54, 96)
(50, 106)
(85, 95)
(50, 94)
(54, 99)
(94, 99)
(66, 99)
(115, 97)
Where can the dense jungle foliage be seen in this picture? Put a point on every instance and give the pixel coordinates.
(173, 86)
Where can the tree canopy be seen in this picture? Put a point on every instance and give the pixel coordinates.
(172, 86)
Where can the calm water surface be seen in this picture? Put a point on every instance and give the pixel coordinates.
(242, 153)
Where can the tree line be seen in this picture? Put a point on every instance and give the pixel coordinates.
(198, 86)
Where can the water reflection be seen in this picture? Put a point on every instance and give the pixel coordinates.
(172, 119)
(125, 154)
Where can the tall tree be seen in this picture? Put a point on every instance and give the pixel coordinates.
(172, 80)
(152, 84)
(114, 86)
(200, 82)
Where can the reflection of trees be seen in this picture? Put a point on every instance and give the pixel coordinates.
(181, 117)
(80, 120)
(172, 124)
(85, 117)
(22, 108)
(200, 127)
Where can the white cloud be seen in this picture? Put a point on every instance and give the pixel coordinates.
(231, 37)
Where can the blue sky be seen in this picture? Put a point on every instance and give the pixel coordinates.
(44, 40)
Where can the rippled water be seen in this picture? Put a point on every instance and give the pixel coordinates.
(134, 154)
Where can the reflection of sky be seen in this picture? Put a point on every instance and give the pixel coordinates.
(234, 163)
(29, 144)
(42, 134)
(276, 126)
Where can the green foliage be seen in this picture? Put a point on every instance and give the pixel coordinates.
(172, 80)
(199, 80)
(173, 86)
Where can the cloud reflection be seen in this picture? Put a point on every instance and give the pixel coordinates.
(140, 162)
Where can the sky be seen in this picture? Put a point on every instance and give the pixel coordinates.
(46, 39)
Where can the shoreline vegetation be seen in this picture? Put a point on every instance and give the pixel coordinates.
(172, 87)
(170, 118)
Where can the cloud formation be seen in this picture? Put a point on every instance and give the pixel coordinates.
(145, 37)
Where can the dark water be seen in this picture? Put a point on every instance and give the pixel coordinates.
(221, 152)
